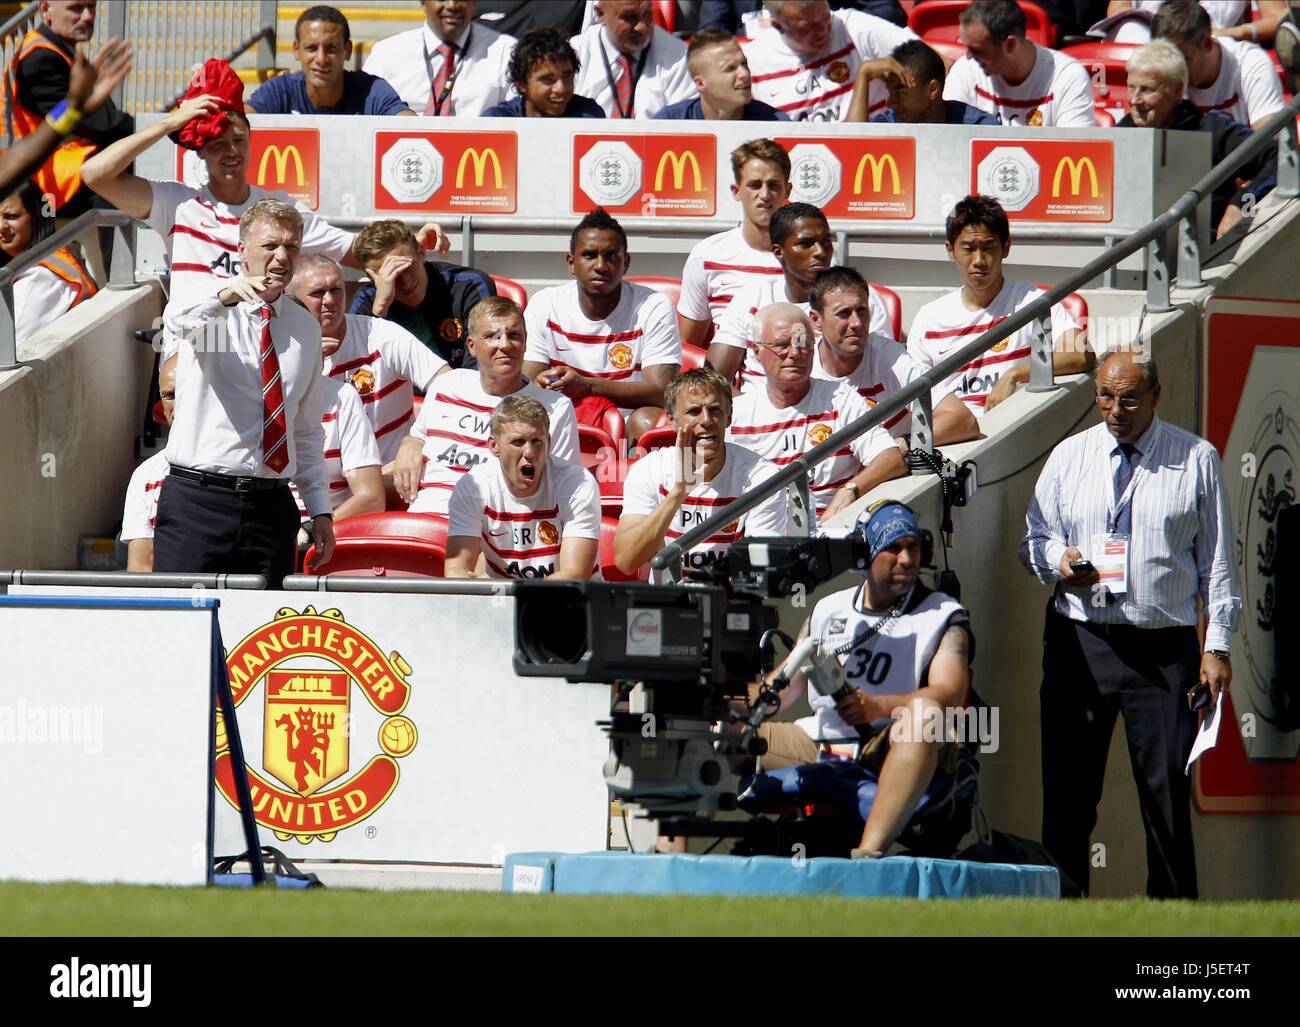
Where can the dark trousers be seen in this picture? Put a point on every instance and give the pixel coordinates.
(205, 529)
(1091, 673)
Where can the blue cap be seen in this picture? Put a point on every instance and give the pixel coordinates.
(886, 525)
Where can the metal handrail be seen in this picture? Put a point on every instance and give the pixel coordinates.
(266, 32)
(1154, 234)
(20, 20)
(70, 232)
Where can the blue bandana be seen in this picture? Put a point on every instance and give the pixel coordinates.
(886, 526)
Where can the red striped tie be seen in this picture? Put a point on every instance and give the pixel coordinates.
(623, 88)
(275, 447)
(438, 105)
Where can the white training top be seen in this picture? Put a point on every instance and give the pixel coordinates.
(885, 368)
(40, 296)
(381, 360)
(349, 440)
(521, 537)
(780, 434)
(201, 236)
(737, 320)
(664, 79)
(455, 422)
(895, 660)
(1247, 90)
(820, 88)
(410, 62)
(946, 324)
(640, 332)
(1056, 94)
(650, 478)
(140, 513)
(716, 269)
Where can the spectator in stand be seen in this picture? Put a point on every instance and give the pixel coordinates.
(451, 431)
(448, 66)
(429, 298)
(914, 75)
(805, 62)
(542, 67)
(1018, 81)
(791, 413)
(1157, 77)
(979, 239)
(600, 340)
(379, 358)
(745, 17)
(322, 44)
(58, 283)
(721, 264)
(875, 365)
(1225, 75)
(524, 513)
(721, 73)
(803, 246)
(200, 227)
(140, 513)
(1229, 19)
(515, 17)
(36, 85)
(674, 488)
(630, 66)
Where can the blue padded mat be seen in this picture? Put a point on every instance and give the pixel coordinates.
(624, 873)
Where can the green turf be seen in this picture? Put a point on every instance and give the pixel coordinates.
(69, 909)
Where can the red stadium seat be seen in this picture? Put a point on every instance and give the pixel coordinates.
(1107, 64)
(951, 52)
(1103, 118)
(657, 437)
(693, 356)
(893, 307)
(608, 569)
(393, 544)
(418, 402)
(670, 287)
(1075, 305)
(511, 290)
(666, 15)
(592, 439)
(940, 19)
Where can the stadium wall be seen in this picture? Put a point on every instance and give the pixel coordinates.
(72, 412)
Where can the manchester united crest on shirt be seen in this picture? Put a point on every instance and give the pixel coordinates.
(838, 72)
(548, 533)
(620, 356)
(363, 380)
(819, 433)
(450, 329)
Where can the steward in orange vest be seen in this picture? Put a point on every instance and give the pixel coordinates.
(35, 82)
(64, 263)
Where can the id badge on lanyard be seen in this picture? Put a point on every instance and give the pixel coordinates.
(1109, 550)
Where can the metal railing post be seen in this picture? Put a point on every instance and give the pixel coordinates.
(8, 330)
(268, 16)
(121, 268)
(1158, 273)
(1189, 253)
(801, 511)
(113, 22)
(467, 240)
(922, 425)
(1288, 162)
(1042, 377)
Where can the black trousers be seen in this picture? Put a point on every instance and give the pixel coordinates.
(1091, 673)
(205, 529)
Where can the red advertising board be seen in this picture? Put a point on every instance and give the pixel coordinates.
(282, 160)
(649, 175)
(1069, 180)
(447, 172)
(854, 177)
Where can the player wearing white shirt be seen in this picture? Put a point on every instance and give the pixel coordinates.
(352, 461)
(874, 365)
(979, 239)
(450, 435)
(805, 63)
(602, 336)
(721, 264)
(379, 358)
(140, 512)
(803, 246)
(1014, 79)
(675, 488)
(1231, 76)
(200, 227)
(523, 513)
(790, 414)
(630, 66)
(450, 65)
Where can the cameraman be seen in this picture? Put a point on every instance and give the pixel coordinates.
(905, 652)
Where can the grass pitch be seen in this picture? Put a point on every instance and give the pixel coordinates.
(120, 910)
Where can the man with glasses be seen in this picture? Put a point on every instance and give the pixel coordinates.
(1130, 523)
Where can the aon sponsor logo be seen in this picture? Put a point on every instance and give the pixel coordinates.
(517, 570)
(457, 456)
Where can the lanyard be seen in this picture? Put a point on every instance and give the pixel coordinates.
(458, 60)
(1115, 508)
(613, 82)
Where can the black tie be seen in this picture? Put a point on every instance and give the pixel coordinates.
(1128, 457)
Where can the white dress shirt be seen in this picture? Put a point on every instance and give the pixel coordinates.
(409, 62)
(664, 78)
(218, 419)
(1181, 536)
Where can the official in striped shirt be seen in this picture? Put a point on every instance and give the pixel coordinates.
(979, 240)
(788, 414)
(1130, 522)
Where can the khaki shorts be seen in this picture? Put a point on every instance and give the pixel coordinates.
(788, 745)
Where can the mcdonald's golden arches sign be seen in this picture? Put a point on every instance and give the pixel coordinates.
(648, 176)
(447, 172)
(1075, 177)
(283, 160)
(872, 177)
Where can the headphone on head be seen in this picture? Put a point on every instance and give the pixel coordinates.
(879, 509)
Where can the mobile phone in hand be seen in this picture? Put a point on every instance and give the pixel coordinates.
(1082, 567)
